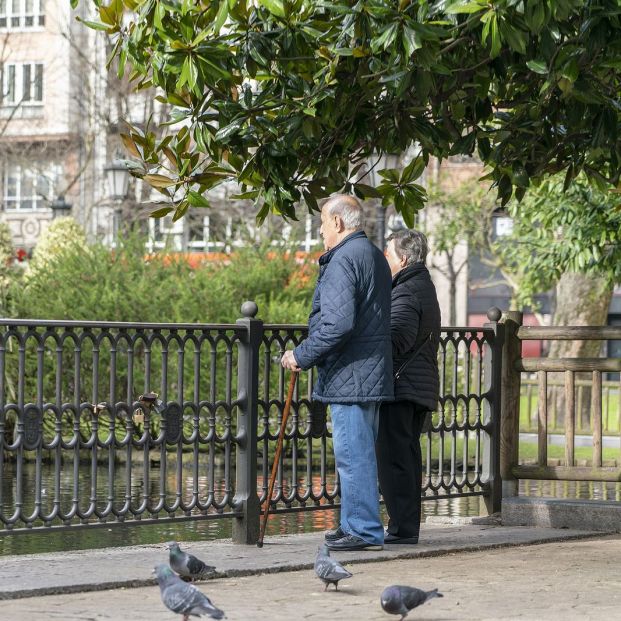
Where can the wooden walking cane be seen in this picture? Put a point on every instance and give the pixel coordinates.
(281, 437)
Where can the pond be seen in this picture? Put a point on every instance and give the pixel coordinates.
(209, 529)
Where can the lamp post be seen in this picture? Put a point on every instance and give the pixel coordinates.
(60, 207)
(118, 187)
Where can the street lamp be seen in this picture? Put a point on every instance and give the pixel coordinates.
(502, 223)
(60, 207)
(118, 180)
(118, 187)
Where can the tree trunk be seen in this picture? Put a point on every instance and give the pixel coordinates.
(581, 300)
(453, 299)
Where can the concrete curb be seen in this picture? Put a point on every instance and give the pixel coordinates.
(604, 515)
(48, 574)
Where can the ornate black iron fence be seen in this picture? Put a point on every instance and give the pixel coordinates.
(85, 440)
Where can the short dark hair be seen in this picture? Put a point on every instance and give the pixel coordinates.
(410, 244)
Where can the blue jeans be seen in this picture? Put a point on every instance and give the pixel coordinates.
(354, 431)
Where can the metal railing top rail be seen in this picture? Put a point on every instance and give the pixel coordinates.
(304, 327)
(569, 333)
(59, 323)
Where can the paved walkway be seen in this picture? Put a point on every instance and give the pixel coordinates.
(485, 572)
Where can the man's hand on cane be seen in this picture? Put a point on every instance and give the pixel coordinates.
(289, 362)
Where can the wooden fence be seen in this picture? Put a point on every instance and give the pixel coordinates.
(514, 366)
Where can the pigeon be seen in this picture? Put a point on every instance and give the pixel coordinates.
(187, 565)
(399, 600)
(328, 570)
(184, 599)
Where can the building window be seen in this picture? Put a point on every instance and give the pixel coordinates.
(22, 14)
(29, 187)
(22, 84)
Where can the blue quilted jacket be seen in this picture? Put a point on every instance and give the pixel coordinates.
(349, 325)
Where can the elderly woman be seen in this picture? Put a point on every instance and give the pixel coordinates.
(415, 333)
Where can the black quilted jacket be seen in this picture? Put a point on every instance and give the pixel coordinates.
(415, 314)
(349, 325)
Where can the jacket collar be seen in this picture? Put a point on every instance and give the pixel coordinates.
(409, 271)
(325, 258)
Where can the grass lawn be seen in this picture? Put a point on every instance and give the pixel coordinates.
(529, 405)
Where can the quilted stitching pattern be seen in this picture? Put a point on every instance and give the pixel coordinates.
(349, 325)
(416, 313)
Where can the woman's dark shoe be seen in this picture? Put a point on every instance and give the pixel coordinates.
(390, 538)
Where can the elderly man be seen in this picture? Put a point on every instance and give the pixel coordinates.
(415, 331)
(349, 343)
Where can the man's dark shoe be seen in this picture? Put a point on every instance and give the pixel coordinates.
(351, 542)
(333, 535)
(390, 538)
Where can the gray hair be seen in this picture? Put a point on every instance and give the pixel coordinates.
(410, 244)
(348, 208)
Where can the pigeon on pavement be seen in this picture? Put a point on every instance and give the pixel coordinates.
(328, 570)
(184, 599)
(187, 565)
(400, 600)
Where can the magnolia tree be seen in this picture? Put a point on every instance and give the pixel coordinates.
(292, 98)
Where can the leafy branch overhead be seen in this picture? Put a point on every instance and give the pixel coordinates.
(290, 98)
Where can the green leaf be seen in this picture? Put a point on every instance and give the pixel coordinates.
(366, 191)
(263, 213)
(538, 66)
(538, 17)
(189, 72)
(413, 170)
(496, 42)
(252, 194)
(275, 7)
(459, 7)
(94, 25)
(385, 39)
(181, 210)
(411, 41)
(160, 213)
(223, 13)
(196, 199)
(224, 133)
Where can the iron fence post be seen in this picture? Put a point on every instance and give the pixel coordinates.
(246, 501)
(510, 403)
(491, 502)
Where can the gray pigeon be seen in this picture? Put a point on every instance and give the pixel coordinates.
(184, 599)
(328, 570)
(187, 565)
(399, 600)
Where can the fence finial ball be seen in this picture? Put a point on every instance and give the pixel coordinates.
(249, 309)
(494, 314)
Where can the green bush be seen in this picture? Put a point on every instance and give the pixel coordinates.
(91, 282)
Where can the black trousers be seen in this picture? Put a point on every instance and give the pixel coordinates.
(400, 465)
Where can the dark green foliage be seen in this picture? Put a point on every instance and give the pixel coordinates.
(290, 97)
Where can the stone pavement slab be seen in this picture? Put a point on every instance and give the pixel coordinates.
(564, 581)
(108, 568)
